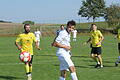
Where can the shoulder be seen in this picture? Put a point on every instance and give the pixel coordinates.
(22, 34)
(63, 32)
(98, 31)
(31, 33)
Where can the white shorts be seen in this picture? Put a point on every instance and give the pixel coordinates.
(65, 62)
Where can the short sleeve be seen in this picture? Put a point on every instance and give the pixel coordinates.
(18, 38)
(60, 37)
(100, 34)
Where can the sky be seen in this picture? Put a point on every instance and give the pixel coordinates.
(42, 11)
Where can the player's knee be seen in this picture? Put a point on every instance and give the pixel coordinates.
(63, 73)
(72, 69)
(92, 56)
(30, 64)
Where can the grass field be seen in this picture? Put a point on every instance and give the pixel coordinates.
(46, 65)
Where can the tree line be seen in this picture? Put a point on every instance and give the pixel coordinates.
(97, 8)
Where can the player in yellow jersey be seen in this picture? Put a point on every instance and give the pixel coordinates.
(118, 37)
(24, 42)
(96, 39)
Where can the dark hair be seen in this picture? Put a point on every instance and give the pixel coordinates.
(93, 24)
(73, 23)
(26, 25)
(61, 25)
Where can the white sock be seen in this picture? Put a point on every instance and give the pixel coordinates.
(74, 76)
(119, 58)
(61, 78)
(98, 62)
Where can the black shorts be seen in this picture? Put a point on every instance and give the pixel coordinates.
(96, 50)
(118, 46)
(31, 59)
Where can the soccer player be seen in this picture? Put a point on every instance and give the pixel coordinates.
(96, 39)
(118, 37)
(74, 34)
(24, 42)
(62, 42)
(61, 28)
(37, 35)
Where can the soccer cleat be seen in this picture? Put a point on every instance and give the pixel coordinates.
(101, 66)
(116, 64)
(97, 66)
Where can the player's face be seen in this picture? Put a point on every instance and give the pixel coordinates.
(71, 28)
(27, 29)
(62, 27)
(94, 27)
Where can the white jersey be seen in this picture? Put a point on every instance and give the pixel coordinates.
(74, 33)
(57, 32)
(63, 38)
(37, 35)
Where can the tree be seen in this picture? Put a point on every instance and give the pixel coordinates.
(92, 8)
(29, 22)
(113, 15)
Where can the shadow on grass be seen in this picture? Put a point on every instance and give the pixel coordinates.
(75, 66)
(10, 77)
(56, 56)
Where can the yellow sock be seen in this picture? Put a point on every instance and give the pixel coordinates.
(100, 60)
(30, 68)
(27, 68)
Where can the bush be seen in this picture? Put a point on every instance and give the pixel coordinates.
(29, 22)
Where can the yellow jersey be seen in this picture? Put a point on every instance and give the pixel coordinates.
(95, 38)
(26, 42)
(118, 35)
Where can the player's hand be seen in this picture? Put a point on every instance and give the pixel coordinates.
(19, 48)
(52, 44)
(67, 47)
(39, 48)
(99, 43)
(84, 43)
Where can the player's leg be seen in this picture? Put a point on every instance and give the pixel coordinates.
(71, 66)
(93, 55)
(30, 64)
(62, 75)
(73, 73)
(95, 58)
(118, 60)
(63, 68)
(27, 71)
(29, 75)
(98, 52)
(38, 42)
(100, 60)
(27, 68)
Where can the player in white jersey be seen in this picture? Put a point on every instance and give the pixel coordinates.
(61, 28)
(62, 42)
(74, 34)
(37, 35)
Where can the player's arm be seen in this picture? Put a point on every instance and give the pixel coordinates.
(116, 36)
(18, 46)
(59, 45)
(88, 41)
(36, 45)
(101, 39)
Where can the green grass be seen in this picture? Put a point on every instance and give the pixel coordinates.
(46, 64)
(87, 25)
